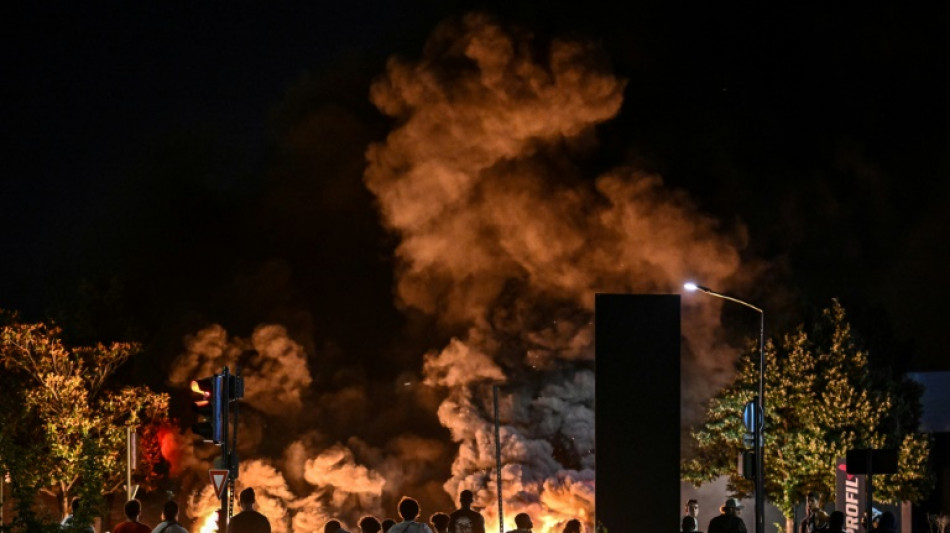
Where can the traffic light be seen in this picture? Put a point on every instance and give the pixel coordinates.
(211, 405)
(235, 387)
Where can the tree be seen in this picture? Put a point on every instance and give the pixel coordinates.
(821, 399)
(59, 423)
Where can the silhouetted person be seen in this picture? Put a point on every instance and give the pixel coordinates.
(334, 526)
(887, 523)
(465, 519)
(688, 525)
(440, 522)
(728, 521)
(692, 512)
(248, 520)
(170, 523)
(369, 524)
(409, 510)
(67, 522)
(836, 522)
(133, 508)
(572, 526)
(816, 519)
(388, 524)
(523, 523)
(875, 519)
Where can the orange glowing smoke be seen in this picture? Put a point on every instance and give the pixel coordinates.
(545, 521)
(503, 243)
(542, 523)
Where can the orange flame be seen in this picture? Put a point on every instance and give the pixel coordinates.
(210, 523)
(171, 451)
(543, 522)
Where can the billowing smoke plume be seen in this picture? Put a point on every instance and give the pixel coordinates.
(276, 377)
(273, 365)
(284, 509)
(505, 242)
(337, 468)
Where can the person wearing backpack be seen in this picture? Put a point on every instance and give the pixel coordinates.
(170, 524)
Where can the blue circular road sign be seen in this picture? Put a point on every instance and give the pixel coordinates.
(749, 418)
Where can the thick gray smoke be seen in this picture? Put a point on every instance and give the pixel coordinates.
(505, 243)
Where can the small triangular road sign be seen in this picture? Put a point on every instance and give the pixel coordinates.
(219, 478)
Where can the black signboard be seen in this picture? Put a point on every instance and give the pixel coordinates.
(872, 461)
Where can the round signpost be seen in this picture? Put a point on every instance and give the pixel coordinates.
(749, 418)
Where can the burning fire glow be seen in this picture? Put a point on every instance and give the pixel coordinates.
(544, 524)
(209, 524)
(503, 244)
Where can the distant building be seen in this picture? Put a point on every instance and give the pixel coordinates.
(936, 421)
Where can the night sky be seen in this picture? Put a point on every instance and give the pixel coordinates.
(168, 167)
(154, 157)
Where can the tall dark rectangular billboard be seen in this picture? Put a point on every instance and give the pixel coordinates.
(637, 409)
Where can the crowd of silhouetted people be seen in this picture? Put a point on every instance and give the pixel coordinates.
(462, 520)
(816, 520)
(465, 519)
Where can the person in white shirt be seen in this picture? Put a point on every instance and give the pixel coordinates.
(409, 510)
(68, 521)
(170, 524)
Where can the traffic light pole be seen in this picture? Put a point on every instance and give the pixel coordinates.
(213, 405)
(224, 511)
(759, 428)
(235, 392)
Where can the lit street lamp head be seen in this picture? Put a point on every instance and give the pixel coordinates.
(692, 287)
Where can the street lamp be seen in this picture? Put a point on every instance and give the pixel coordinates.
(759, 416)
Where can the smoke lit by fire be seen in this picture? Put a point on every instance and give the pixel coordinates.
(503, 242)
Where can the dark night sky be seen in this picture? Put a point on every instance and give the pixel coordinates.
(165, 167)
(168, 166)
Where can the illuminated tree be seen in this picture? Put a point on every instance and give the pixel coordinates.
(62, 430)
(822, 399)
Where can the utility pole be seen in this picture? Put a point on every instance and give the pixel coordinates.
(501, 515)
(131, 461)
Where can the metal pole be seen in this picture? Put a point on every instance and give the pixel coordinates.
(224, 399)
(760, 407)
(869, 500)
(128, 463)
(232, 458)
(759, 452)
(501, 516)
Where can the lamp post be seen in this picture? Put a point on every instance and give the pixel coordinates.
(759, 416)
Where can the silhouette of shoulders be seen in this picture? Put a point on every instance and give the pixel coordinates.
(249, 521)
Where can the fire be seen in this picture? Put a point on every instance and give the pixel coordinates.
(543, 522)
(170, 449)
(210, 524)
(345, 491)
(545, 519)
